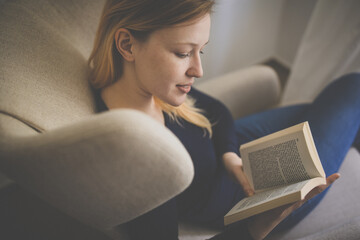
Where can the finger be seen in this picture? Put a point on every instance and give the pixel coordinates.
(329, 180)
(242, 179)
(332, 178)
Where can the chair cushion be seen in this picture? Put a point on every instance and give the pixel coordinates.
(349, 230)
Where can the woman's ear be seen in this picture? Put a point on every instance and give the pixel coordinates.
(124, 41)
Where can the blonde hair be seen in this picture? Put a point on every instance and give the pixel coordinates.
(141, 18)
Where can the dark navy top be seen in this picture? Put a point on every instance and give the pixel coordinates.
(206, 153)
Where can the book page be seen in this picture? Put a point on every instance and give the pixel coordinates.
(270, 199)
(317, 169)
(265, 196)
(277, 165)
(281, 158)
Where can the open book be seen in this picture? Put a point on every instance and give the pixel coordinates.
(281, 167)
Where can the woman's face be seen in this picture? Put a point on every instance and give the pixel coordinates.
(167, 63)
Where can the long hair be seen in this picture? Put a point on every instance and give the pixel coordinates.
(141, 18)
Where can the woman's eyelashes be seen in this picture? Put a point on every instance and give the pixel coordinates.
(185, 55)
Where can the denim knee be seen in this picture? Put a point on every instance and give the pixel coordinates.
(344, 91)
(350, 82)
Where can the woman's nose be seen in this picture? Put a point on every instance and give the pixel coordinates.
(195, 69)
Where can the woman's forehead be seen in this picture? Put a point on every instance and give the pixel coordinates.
(194, 33)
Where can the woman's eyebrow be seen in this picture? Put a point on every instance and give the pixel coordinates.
(190, 43)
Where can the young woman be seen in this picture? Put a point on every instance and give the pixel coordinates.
(146, 57)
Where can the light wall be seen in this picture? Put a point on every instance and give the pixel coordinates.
(295, 17)
(246, 32)
(243, 32)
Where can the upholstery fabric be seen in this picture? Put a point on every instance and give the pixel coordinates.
(103, 171)
(11, 127)
(44, 46)
(349, 230)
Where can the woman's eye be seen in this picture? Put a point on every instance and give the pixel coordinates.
(183, 55)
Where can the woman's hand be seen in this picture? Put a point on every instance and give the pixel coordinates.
(261, 225)
(234, 166)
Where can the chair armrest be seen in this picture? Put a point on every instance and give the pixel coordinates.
(245, 91)
(103, 171)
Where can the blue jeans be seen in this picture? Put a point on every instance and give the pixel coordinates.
(334, 119)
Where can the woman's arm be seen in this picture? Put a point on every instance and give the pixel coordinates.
(234, 166)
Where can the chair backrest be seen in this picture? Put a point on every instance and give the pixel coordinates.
(44, 46)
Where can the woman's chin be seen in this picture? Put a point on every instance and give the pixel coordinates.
(173, 99)
(176, 102)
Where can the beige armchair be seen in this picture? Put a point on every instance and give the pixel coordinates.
(95, 170)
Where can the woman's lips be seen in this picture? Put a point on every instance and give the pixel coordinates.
(184, 88)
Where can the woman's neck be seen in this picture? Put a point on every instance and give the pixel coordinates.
(123, 94)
